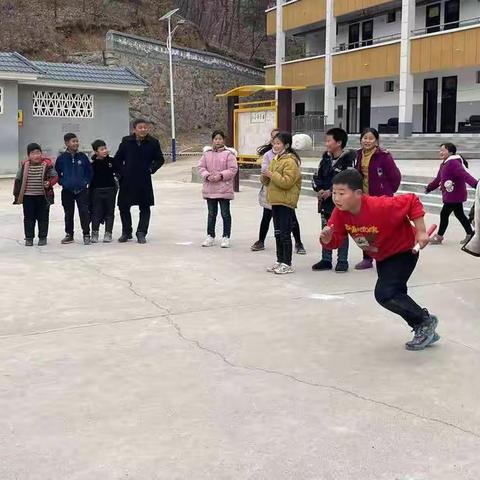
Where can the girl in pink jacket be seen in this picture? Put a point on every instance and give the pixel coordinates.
(218, 167)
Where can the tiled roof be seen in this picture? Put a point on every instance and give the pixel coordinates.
(15, 63)
(74, 72)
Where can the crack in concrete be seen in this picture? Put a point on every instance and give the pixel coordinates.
(168, 314)
(288, 376)
(79, 326)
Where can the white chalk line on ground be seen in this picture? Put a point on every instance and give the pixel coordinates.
(166, 313)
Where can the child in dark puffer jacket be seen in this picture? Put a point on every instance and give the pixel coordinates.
(103, 191)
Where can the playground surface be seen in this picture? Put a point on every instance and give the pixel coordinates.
(169, 361)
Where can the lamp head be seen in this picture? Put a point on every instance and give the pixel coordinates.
(169, 14)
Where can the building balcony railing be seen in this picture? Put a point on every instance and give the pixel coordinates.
(304, 55)
(446, 26)
(342, 47)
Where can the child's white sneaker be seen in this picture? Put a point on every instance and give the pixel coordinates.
(225, 242)
(273, 267)
(209, 242)
(283, 269)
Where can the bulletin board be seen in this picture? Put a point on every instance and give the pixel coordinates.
(253, 123)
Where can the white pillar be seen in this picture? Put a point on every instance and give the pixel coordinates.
(330, 43)
(280, 44)
(405, 98)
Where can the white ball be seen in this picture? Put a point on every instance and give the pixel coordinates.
(302, 141)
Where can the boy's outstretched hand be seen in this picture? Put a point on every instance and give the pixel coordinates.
(326, 235)
(422, 239)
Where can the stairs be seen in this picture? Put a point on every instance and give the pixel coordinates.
(414, 148)
(410, 184)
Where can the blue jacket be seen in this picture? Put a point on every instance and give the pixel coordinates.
(74, 171)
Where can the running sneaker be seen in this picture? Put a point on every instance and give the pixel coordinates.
(257, 246)
(322, 265)
(283, 269)
(67, 239)
(424, 335)
(94, 238)
(225, 243)
(436, 240)
(466, 239)
(300, 249)
(209, 242)
(273, 267)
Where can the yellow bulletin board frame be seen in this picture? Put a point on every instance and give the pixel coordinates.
(250, 107)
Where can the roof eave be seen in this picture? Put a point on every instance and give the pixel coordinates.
(17, 76)
(43, 82)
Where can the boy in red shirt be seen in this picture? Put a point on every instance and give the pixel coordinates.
(382, 227)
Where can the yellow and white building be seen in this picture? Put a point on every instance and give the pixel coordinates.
(407, 66)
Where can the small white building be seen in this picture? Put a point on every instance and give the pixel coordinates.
(41, 101)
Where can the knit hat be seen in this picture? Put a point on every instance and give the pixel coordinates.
(33, 146)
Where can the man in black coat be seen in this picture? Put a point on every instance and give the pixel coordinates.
(138, 157)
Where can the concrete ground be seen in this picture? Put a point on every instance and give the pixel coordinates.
(169, 361)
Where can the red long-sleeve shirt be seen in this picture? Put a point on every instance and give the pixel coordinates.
(383, 226)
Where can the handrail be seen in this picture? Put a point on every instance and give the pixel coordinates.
(441, 27)
(344, 47)
(315, 53)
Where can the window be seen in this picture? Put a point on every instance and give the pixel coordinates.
(390, 86)
(299, 109)
(478, 76)
(1, 100)
(60, 104)
(392, 17)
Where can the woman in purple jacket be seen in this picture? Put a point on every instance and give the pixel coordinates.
(452, 178)
(380, 174)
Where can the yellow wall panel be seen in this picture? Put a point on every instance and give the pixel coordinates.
(302, 13)
(442, 52)
(271, 22)
(376, 62)
(270, 76)
(341, 7)
(297, 15)
(307, 73)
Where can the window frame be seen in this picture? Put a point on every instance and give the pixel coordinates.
(389, 86)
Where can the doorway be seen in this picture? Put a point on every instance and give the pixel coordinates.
(452, 14)
(367, 33)
(430, 99)
(352, 109)
(354, 36)
(365, 106)
(432, 22)
(449, 104)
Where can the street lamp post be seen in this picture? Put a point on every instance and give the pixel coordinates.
(168, 16)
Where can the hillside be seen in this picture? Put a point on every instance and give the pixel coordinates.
(54, 29)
